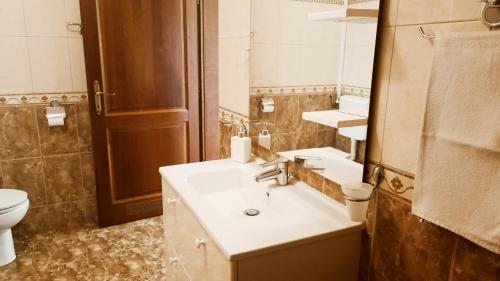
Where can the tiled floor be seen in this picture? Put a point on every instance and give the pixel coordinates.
(132, 251)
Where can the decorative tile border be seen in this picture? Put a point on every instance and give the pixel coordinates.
(395, 181)
(320, 89)
(21, 99)
(291, 90)
(356, 91)
(233, 119)
(335, 2)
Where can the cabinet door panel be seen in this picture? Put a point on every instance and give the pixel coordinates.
(203, 262)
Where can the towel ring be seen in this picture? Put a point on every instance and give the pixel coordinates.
(74, 27)
(483, 14)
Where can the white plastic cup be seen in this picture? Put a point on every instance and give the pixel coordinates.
(357, 196)
(357, 210)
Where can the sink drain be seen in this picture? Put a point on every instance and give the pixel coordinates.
(251, 212)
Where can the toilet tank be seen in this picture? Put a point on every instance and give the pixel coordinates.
(356, 105)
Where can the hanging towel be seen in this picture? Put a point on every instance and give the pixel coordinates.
(457, 184)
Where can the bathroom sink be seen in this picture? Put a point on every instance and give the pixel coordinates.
(218, 193)
(218, 181)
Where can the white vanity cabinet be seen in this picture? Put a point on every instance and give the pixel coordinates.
(196, 256)
(193, 249)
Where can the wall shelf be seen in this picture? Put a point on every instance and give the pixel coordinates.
(335, 118)
(346, 15)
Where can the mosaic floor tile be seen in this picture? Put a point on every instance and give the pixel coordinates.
(131, 251)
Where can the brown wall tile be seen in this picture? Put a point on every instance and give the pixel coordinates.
(35, 222)
(404, 248)
(23, 165)
(257, 115)
(225, 134)
(326, 138)
(91, 216)
(18, 132)
(287, 117)
(475, 263)
(84, 129)
(284, 142)
(307, 103)
(59, 139)
(67, 216)
(26, 174)
(63, 178)
(306, 140)
(88, 174)
(333, 190)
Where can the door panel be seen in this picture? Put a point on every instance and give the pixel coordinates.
(145, 56)
(142, 44)
(135, 164)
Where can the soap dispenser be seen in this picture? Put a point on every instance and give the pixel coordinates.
(241, 146)
(264, 139)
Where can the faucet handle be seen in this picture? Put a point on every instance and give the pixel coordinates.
(300, 159)
(274, 162)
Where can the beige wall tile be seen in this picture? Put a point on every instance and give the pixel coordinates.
(389, 10)
(50, 64)
(410, 70)
(15, 75)
(77, 64)
(12, 18)
(45, 18)
(432, 11)
(379, 93)
(411, 61)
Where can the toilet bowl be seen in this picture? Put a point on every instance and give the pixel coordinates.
(13, 207)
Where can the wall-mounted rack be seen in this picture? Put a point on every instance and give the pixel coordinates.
(490, 16)
(74, 27)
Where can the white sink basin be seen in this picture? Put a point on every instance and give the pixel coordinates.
(219, 191)
(338, 168)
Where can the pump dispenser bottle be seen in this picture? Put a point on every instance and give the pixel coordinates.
(241, 146)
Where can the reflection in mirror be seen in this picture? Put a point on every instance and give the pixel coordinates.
(314, 59)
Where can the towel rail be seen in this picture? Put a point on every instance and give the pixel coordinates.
(488, 4)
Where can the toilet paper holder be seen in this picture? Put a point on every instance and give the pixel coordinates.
(55, 113)
(267, 104)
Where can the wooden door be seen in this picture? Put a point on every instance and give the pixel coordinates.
(143, 68)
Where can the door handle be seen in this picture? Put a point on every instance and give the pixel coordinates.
(98, 93)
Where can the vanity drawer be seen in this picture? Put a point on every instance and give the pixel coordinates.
(194, 248)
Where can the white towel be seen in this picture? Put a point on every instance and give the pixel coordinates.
(457, 184)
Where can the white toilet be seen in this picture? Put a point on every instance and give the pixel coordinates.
(13, 206)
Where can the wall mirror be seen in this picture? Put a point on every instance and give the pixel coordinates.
(299, 73)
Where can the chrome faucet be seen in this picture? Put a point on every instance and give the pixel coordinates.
(278, 173)
(302, 160)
